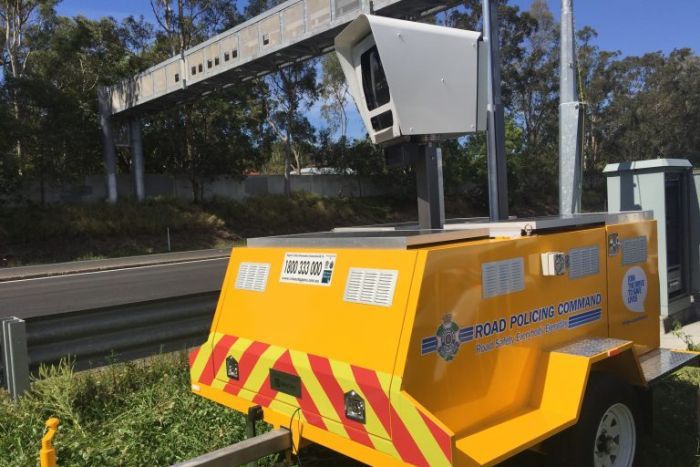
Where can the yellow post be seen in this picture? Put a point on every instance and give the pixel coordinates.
(48, 453)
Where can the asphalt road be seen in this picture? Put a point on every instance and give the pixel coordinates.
(51, 295)
(58, 269)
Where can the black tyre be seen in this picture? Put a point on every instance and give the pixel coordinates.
(608, 429)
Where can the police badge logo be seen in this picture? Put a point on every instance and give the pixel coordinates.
(447, 338)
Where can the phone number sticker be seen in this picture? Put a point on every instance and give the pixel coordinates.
(308, 268)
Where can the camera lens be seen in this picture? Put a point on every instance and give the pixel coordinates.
(374, 83)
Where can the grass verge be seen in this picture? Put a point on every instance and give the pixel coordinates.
(137, 414)
(33, 234)
(143, 414)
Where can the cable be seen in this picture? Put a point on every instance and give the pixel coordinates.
(291, 420)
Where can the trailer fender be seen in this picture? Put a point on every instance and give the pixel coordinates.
(556, 399)
(624, 365)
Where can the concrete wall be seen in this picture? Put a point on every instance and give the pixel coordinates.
(93, 188)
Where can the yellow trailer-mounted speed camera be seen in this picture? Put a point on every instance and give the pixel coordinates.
(443, 342)
(411, 79)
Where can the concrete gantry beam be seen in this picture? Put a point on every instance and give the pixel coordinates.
(292, 31)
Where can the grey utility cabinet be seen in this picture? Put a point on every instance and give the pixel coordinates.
(694, 225)
(666, 187)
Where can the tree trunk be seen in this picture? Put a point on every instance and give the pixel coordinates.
(297, 160)
(18, 142)
(42, 185)
(287, 167)
(189, 163)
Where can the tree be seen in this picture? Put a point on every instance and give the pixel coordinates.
(596, 82)
(8, 171)
(225, 139)
(653, 107)
(183, 23)
(16, 17)
(57, 93)
(535, 81)
(334, 92)
(285, 95)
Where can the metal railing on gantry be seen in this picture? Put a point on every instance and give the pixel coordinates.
(294, 31)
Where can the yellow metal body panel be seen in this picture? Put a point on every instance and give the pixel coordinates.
(281, 309)
(638, 321)
(489, 377)
(462, 366)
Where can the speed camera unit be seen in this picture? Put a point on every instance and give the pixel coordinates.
(442, 343)
(412, 79)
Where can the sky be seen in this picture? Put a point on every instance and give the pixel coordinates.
(633, 27)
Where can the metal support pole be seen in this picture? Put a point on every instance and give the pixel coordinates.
(248, 450)
(495, 125)
(137, 159)
(431, 204)
(570, 121)
(15, 357)
(108, 150)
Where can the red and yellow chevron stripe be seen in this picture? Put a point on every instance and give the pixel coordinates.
(396, 425)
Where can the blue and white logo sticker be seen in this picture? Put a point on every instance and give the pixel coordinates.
(634, 289)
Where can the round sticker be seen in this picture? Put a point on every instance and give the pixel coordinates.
(634, 289)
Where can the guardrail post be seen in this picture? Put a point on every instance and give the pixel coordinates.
(15, 357)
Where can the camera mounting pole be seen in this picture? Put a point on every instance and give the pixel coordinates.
(425, 155)
(570, 118)
(429, 187)
(495, 125)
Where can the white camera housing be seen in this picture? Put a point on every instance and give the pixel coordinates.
(420, 79)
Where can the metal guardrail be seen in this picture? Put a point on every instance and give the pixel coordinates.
(101, 336)
(248, 450)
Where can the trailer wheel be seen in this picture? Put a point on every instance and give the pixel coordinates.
(607, 431)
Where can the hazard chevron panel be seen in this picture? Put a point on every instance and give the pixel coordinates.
(394, 424)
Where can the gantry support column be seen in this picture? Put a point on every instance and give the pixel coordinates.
(137, 159)
(109, 152)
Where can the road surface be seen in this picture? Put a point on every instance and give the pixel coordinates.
(43, 296)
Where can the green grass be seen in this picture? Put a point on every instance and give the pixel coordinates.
(136, 414)
(674, 441)
(143, 414)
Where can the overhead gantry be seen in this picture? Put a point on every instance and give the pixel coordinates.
(293, 31)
